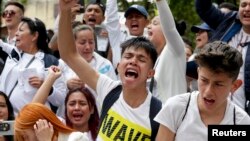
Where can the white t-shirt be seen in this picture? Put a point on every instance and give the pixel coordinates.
(170, 67)
(87, 134)
(115, 32)
(123, 122)
(192, 127)
(74, 136)
(239, 95)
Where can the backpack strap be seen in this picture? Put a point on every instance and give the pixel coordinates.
(113, 95)
(189, 98)
(247, 79)
(50, 60)
(109, 100)
(151, 85)
(186, 109)
(155, 107)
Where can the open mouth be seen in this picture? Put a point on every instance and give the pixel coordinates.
(150, 33)
(209, 101)
(92, 20)
(198, 39)
(131, 73)
(246, 15)
(17, 41)
(77, 116)
(134, 26)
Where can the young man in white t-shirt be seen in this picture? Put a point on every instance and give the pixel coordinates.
(187, 116)
(136, 20)
(130, 113)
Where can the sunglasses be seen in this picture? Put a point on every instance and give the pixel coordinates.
(10, 13)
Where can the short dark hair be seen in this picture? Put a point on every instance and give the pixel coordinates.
(15, 3)
(220, 57)
(142, 43)
(99, 3)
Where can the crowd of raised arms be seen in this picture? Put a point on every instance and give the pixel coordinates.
(93, 80)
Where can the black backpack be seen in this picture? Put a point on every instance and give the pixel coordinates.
(113, 95)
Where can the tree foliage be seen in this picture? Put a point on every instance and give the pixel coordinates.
(24, 2)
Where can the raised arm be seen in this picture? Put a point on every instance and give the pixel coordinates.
(7, 47)
(53, 42)
(169, 29)
(67, 48)
(114, 31)
(44, 91)
(172, 58)
(209, 13)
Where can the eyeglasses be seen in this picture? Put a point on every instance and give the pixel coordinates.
(10, 13)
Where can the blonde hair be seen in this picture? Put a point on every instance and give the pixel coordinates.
(31, 113)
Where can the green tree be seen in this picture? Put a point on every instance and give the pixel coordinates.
(24, 2)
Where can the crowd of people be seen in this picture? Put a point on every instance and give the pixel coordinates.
(91, 80)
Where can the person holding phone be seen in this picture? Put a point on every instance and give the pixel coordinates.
(94, 16)
(6, 114)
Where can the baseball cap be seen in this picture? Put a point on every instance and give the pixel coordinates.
(197, 28)
(138, 8)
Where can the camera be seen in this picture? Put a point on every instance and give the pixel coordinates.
(7, 127)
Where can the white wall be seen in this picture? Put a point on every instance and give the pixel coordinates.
(44, 10)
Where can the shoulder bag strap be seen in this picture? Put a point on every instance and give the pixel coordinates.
(32, 59)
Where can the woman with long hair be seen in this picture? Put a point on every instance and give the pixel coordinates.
(6, 114)
(81, 112)
(36, 122)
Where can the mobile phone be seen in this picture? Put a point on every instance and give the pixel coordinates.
(82, 9)
(7, 127)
